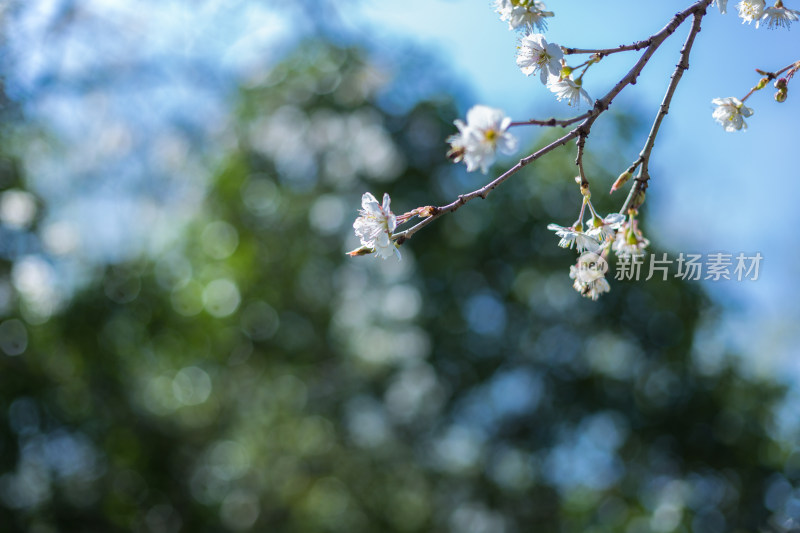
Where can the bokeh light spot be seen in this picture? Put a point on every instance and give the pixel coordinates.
(220, 239)
(13, 337)
(221, 298)
(191, 386)
(187, 300)
(239, 510)
(17, 208)
(260, 321)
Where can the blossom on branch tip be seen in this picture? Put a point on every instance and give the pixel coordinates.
(528, 15)
(722, 5)
(479, 139)
(751, 10)
(375, 226)
(779, 16)
(730, 113)
(537, 55)
(568, 89)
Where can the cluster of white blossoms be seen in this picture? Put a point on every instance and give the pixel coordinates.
(480, 138)
(777, 16)
(594, 241)
(731, 112)
(527, 15)
(589, 239)
(536, 55)
(485, 133)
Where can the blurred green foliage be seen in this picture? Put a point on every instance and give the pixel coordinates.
(254, 378)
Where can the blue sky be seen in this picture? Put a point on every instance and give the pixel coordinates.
(710, 190)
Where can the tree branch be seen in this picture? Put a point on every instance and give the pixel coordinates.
(551, 122)
(484, 191)
(600, 106)
(635, 197)
(602, 52)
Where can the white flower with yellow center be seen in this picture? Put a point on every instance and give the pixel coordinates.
(537, 55)
(751, 10)
(481, 137)
(730, 113)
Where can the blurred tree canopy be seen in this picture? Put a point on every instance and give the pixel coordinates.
(254, 378)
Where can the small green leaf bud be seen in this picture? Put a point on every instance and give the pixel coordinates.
(638, 199)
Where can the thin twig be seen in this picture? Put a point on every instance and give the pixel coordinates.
(635, 197)
(552, 122)
(769, 76)
(600, 106)
(773, 75)
(608, 51)
(579, 161)
(484, 191)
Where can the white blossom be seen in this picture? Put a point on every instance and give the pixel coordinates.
(574, 236)
(457, 147)
(730, 113)
(751, 10)
(589, 276)
(537, 55)
(375, 226)
(604, 229)
(722, 5)
(569, 89)
(479, 139)
(528, 15)
(779, 16)
(629, 241)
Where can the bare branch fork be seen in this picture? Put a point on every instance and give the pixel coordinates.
(635, 197)
(581, 132)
